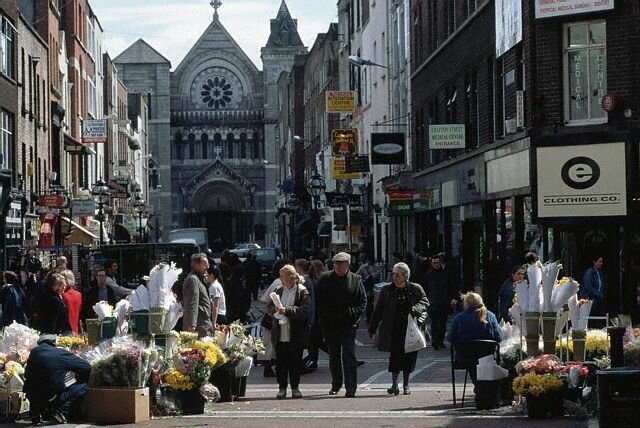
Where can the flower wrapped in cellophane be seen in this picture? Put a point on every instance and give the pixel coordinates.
(17, 342)
(121, 362)
(545, 363)
(236, 343)
(72, 343)
(579, 310)
(103, 310)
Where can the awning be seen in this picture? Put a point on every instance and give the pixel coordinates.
(79, 234)
(75, 147)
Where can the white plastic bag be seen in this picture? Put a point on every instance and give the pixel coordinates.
(414, 339)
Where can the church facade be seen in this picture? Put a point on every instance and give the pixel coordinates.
(217, 144)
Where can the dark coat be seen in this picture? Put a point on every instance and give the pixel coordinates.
(14, 305)
(46, 369)
(91, 298)
(298, 315)
(384, 313)
(440, 289)
(55, 318)
(341, 301)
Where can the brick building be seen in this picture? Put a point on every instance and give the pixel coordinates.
(9, 206)
(507, 79)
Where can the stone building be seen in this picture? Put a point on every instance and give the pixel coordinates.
(214, 141)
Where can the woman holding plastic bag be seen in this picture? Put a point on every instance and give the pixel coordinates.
(398, 301)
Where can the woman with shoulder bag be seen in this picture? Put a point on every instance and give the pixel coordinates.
(290, 331)
(397, 300)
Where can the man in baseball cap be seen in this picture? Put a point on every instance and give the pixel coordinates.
(341, 301)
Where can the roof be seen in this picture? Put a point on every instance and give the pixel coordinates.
(140, 52)
(284, 30)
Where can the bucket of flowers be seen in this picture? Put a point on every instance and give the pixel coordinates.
(542, 383)
(190, 374)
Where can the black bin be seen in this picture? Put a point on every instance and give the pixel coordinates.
(619, 396)
(488, 394)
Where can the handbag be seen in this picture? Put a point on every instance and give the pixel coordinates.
(424, 323)
(267, 321)
(414, 339)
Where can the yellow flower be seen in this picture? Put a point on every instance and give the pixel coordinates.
(12, 368)
(70, 342)
(533, 384)
(564, 280)
(212, 352)
(178, 381)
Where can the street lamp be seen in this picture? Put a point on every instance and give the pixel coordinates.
(100, 193)
(359, 62)
(316, 187)
(140, 206)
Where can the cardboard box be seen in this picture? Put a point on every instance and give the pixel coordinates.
(117, 405)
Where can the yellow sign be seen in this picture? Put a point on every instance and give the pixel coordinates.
(341, 101)
(338, 170)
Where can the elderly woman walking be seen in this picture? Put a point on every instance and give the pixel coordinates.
(389, 322)
(290, 331)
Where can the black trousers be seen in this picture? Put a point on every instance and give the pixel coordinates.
(316, 342)
(438, 326)
(342, 358)
(288, 364)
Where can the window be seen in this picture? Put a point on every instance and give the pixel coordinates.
(585, 64)
(6, 46)
(91, 96)
(6, 139)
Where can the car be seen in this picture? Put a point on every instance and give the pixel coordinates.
(242, 250)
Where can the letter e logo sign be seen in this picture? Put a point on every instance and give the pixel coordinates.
(580, 172)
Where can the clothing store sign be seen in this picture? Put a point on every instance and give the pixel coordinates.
(581, 181)
(551, 8)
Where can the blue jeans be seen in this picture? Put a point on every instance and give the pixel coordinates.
(68, 401)
(342, 358)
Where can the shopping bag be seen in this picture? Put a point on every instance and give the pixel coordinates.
(414, 339)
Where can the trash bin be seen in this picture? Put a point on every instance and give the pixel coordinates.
(488, 394)
(619, 396)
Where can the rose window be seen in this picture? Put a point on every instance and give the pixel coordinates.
(216, 92)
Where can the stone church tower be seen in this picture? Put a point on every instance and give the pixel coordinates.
(222, 142)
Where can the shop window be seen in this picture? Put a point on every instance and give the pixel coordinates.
(6, 139)
(585, 65)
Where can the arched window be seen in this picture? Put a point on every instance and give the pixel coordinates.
(257, 152)
(229, 151)
(204, 140)
(192, 145)
(217, 145)
(243, 146)
(177, 144)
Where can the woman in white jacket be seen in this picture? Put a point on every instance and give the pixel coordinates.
(269, 352)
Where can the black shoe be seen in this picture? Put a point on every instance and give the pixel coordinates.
(359, 363)
(351, 394)
(406, 390)
(282, 393)
(268, 372)
(393, 390)
(334, 391)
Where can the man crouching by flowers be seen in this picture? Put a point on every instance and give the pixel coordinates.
(52, 393)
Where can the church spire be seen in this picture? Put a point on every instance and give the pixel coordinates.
(215, 4)
(284, 29)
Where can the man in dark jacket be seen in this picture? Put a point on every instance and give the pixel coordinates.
(97, 293)
(197, 302)
(442, 294)
(51, 390)
(341, 301)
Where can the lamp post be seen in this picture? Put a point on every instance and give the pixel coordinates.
(316, 187)
(100, 193)
(139, 206)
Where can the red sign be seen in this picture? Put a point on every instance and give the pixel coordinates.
(400, 195)
(53, 201)
(610, 102)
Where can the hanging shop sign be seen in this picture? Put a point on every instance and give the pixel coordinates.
(341, 101)
(119, 188)
(447, 136)
(581, 181)
(551, 8)
(339, 170)
(357, 163)
(400, 202)
(94, 131)
(344, 142)
(387, 148)
(53, 201)
(337, 200)
(83, 207)
(427, 199)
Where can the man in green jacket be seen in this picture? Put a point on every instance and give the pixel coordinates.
(341, 300)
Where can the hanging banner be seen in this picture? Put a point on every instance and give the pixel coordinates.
(344, 142)
(339, 170)
(400, 202)
(447, 136)
(341, 101)
(581, 181)
(387, 148)
(94, 131)
(551, 8)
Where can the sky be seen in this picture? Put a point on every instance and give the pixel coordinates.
(173, 26)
